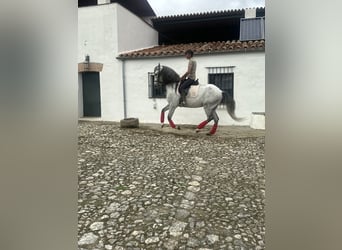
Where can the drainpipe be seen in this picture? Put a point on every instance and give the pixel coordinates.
(124, 88)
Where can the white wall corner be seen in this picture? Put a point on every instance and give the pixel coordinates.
(257, 120)
(250, 12)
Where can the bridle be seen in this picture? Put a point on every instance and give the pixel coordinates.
(156, 76)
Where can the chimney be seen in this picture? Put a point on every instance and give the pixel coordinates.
(103, 2)
(250, 12)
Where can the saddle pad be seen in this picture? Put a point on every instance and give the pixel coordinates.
(193, 91)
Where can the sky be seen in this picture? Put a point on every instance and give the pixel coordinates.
(176, 7)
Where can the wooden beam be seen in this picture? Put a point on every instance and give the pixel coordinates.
(90, 67)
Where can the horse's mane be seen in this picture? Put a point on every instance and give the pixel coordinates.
(169, 75)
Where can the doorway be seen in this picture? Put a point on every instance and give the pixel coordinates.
(91, 94)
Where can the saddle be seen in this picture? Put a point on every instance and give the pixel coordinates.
(192, 91)
(194, 82)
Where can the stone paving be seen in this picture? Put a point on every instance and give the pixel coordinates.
(148, 189)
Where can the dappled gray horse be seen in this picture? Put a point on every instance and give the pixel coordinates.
(209, 97)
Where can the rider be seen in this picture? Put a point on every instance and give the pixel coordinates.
(189, 76)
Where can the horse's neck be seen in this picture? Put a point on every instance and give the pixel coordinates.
(170, 88)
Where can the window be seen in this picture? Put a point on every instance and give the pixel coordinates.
(155, 90)
(252, 28)
(222, 77)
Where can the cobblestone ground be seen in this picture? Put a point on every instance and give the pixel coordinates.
(144, 189)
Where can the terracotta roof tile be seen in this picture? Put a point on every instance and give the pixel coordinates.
(198, 48)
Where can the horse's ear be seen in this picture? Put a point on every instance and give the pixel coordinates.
(160, 67)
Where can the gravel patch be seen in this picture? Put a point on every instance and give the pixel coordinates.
(145, 188)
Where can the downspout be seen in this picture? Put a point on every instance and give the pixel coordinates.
(124, 88)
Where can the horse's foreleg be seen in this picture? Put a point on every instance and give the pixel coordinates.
(169, 117)
(162, 114)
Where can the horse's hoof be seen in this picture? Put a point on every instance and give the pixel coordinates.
(197, 130)
(162, 126)
(209, 134)
(178, 127)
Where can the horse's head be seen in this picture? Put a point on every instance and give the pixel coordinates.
(165, 75)
(157, 74)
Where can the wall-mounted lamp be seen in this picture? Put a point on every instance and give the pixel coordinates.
(154, 104)
(86, 60)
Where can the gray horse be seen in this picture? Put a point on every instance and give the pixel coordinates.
(209, 96)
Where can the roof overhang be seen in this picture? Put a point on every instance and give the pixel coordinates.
(139, 7)
(209, 48)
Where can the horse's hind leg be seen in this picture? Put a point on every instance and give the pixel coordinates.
(202, 124)
(162, 114)
(210, 117)
(214, 127)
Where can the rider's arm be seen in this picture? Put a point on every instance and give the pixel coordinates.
(188, 72)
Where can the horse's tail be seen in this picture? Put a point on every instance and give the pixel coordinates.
(230, 105)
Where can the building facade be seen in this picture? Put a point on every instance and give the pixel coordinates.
(123, 48)
(104, 31)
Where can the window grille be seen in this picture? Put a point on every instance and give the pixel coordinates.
(155, 90)
(222, 77)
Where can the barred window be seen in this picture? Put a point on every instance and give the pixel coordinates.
(155, 90)
(222, 77)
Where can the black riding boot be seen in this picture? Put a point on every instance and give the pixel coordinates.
(182, 99)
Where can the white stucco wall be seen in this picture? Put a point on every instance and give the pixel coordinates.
(249, 86)
(102, 33)
(97, 37)
(133, 32)
(97, 32)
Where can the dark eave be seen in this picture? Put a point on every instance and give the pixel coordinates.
(201, 27)
(139, 7)
(196, 16)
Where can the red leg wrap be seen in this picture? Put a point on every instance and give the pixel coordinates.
(172, 124)
(162, 114)
(213, 129)
(202, 124)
